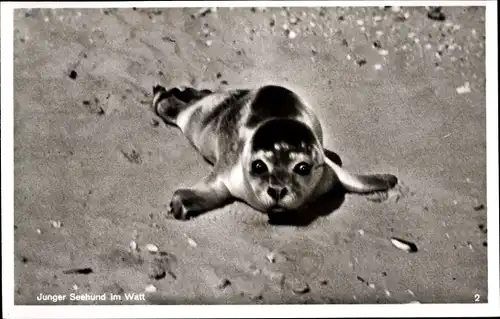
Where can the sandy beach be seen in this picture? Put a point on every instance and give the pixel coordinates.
(398, 90)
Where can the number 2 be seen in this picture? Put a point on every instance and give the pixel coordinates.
(476, 297)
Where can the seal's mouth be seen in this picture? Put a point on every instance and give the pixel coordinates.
(277, 209)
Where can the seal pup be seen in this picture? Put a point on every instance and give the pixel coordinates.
(265, 145)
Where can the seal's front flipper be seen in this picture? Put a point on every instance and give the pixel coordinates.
(363, 183)
(193, 201)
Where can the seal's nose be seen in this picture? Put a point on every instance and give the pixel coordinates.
(277, 192)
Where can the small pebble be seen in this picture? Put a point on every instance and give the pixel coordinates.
(464, 88)
(271, 257)
(133, 245)
(208, 42)
(372, 286)
(377, 18)
(383, 52)
(360, 22)
(377, 66)
(292, 35)
(56, 223)
(150, 289)
(38, 231)
(404, 245)
(379, 33)
(75, 287)
(387, 293)
(361, 232)
(152, 248)
(192, 243)
(395, 9)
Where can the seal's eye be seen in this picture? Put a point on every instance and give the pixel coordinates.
(302, 169)
(259, 167)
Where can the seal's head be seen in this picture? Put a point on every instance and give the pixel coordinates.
(284, 164)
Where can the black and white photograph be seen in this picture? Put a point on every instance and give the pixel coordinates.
(338, 157)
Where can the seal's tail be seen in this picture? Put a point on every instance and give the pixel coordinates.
(168, 104)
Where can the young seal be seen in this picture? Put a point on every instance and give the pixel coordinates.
(266, 148)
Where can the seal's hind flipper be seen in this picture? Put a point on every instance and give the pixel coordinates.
(157, 89)
(190, 95)
(167, 104)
